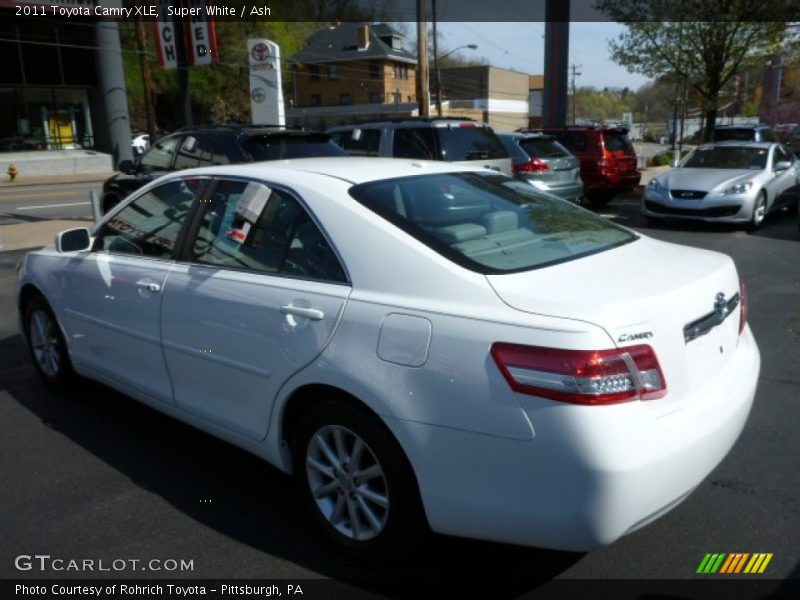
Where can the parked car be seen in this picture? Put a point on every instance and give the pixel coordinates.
(608, 159)
(541, 161)
(205, 146)
(734, 182)
(743, 133)
(458, 140)
(419, 343)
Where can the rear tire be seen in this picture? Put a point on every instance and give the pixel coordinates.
(46, 344)
(600, 200)
(356, 481)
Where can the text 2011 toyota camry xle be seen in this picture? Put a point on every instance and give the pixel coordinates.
(421, 344)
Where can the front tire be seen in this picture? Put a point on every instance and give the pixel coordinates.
(759, 212)
(356, 481)
(46, 344)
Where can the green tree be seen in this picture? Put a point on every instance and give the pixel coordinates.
(705, 43)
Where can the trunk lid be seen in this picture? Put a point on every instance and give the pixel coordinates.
(645, 292)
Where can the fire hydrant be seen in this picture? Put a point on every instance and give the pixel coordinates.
(12, 172)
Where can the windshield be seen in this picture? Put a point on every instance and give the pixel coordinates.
(543, 148)
(727, 157)
(617, 141)
(489, 224)
(278, 147)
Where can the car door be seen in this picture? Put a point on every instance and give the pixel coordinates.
(112, 308)
(255, 298)
(783, 180)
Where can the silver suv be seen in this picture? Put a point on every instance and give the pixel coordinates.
(455, 140)
(744, 133)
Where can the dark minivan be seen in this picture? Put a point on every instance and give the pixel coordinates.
(205, 146)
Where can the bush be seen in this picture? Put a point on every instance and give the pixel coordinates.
(660, 160)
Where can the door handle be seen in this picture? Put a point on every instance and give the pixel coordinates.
(148, 286)
(491, 167)
(298, 311)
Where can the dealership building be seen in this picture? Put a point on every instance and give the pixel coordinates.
(62, 83)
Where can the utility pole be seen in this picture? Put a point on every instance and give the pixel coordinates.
(575, 74)
(437, 74)
(147, 79)
(423, 71)
(556, 63)
(182, 51)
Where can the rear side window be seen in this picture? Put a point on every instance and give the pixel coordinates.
(489, 224)
(574, 140)
(415, 142)
(470, 143)
(617, 142)
(543, 148)
(247, 225)
(514, 147)
(199, 152)
(149, 225)
(360, 142)
(279, 147)
(768, 135)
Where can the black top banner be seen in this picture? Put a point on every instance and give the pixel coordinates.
(406, 10)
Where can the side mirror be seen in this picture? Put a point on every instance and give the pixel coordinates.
(126, 166)
(73, 240)
(782, 165)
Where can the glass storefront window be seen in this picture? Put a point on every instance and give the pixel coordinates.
(44, 118)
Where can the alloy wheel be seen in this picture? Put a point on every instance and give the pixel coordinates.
(347, 482)
(44, 341)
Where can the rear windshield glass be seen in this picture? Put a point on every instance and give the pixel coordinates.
(543, 148)
(616, 141)
(277, 147)
(727, 157)
(489, 224)
(744, 134)
(470, 143)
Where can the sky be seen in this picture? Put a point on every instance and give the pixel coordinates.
(520, 46)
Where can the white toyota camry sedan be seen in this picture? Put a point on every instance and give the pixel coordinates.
(423, 345)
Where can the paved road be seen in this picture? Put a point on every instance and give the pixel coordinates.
(32, 203)
(96, 475)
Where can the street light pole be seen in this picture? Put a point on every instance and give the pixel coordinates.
(437, 73)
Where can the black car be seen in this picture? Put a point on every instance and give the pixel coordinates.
(204, 146)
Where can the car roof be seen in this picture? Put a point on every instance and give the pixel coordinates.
(742, 143)
(753, 126)
(410, 121)
(351, 169)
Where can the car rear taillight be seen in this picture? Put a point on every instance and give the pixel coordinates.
(582, 376)
(534, 165)
(742, 306)
(608, 163)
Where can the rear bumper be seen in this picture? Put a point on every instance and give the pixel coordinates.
(571, 191)
(590, 475)
(597, 183)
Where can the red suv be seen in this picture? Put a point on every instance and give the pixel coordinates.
(608, 161)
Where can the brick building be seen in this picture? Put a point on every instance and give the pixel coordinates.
(356, 65)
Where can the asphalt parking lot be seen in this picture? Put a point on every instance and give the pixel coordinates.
(93, 474)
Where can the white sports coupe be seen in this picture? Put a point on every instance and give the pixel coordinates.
(423, 345)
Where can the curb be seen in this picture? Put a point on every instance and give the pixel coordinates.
(54, 180)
